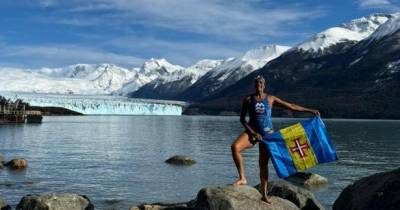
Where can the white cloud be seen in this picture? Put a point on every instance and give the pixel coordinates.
(373, 3)
(213, 29)
(386, 5)
(238, 20)
(54, 56)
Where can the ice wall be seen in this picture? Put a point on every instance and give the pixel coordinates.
(101, 104)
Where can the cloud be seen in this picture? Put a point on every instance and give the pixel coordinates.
(60, 55)
(75, 21)
(182, 31)
(373, 3)
(378, 4)
(236, 20)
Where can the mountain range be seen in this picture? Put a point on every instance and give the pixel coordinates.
(350, 70)
(350, 79)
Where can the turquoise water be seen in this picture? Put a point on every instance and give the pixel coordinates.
(118, 161)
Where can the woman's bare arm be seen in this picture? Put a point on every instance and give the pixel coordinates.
(294, 107)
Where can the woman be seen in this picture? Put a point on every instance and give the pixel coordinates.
(259, 106)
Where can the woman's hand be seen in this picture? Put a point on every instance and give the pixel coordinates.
(315, 112)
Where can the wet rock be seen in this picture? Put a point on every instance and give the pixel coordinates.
(3, 205)
(235, 198)
(55, 202)
(181, 160)
(17, 164)
(378, 191)
(302, 198)
(308, 180)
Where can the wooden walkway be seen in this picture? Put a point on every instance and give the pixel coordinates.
(7, 116)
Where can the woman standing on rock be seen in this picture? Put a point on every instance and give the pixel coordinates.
(259, 106)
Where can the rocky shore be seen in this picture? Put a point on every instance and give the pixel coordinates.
(378, 191)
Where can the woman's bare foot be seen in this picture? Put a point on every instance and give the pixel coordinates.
(266, 200)
(239, 182)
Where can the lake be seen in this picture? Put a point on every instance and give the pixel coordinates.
(118, 161)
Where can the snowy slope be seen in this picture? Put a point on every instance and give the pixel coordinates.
(33, 81)
(170, 85)
(389, 27)
(250, 61)
(155, 68)
(78, 79)
(85, 78)
(194, 72)
(151, 70)
(231, 70)
(106, 77)
(356, 30)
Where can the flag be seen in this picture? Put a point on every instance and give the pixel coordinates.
(300, 147)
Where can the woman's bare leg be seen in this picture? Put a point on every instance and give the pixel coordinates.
(263, 162)
(240, 144)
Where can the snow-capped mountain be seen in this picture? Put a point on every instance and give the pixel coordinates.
(85, 78)
(155, 68)
(390, 27)
(232, 70)
(354, 31)
(20, 80)
(134, 84)
(361, 80)
(170, 85)
(78, 79)
(340, 52)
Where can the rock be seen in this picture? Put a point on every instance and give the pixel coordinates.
(55, 202)
(3, 205)
(302, 198)
(181, 160)
(378, 191)
(17, 164)
(308, 180)
(235, 198)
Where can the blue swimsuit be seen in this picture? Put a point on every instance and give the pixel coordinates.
(260, 116)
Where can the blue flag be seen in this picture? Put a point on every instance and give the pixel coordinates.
(299, 147)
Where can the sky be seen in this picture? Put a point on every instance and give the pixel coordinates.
(56, 33)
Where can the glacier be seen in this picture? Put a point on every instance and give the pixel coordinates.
(100, 104)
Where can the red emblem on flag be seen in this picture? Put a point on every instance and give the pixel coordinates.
(299, 148)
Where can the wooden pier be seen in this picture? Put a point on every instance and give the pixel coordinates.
(16, 112)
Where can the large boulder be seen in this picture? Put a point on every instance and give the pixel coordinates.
(181, 160)
(55, 202)
(235, 198)
(17, 164)
(379, 191)
(308, 180)
(302, 198)
(3, 205)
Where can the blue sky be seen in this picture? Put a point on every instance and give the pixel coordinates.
(54, 33)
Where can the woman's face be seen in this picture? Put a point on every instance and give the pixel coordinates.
(259, 85)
